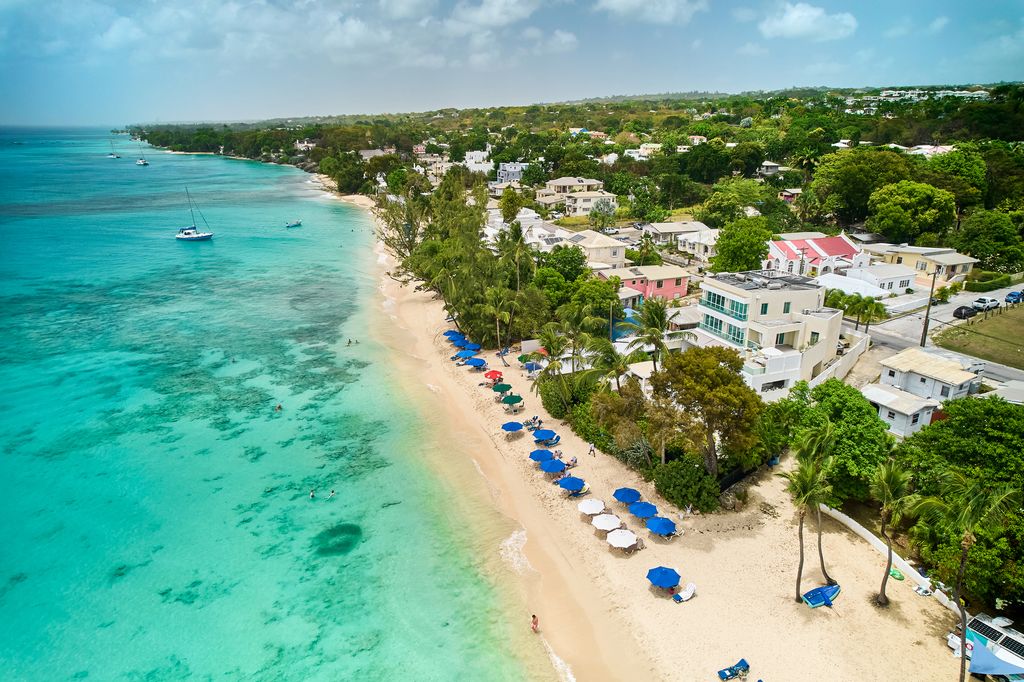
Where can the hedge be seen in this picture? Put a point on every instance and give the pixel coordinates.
(987, 281)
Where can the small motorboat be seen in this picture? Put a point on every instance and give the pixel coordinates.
(821, 596)
(295, 223)
(191, 234)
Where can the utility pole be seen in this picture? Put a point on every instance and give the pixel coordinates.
(928, 310)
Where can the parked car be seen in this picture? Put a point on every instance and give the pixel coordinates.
(1015, 297)
(965, 312)
(985, 303)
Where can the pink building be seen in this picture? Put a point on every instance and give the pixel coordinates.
(661, 281)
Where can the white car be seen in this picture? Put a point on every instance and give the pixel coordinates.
(985, 303)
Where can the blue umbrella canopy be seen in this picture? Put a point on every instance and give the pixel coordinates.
(552, 466)
(663, 577)
(532, 366)
(460, 342)
(511, 427)
(627, 495)
(643, 510)
(659, 525)
(472, 346)
(451, 334)
(476, 362)
(541, 455)
(572, 484)
(465, 354)
(543, 434)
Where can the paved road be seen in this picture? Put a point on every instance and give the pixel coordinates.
(905, 332)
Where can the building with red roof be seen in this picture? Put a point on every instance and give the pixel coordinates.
(813, 256)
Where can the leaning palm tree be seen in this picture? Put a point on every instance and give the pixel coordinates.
(607, 362)
(815, 446)
(650, 329)
(808, 487)
(963, 507)
(890, 487)
(578, 324)
(498, 305)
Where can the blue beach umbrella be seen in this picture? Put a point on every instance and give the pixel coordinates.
(511, 427)
(626, 495)
(572, 484)
(642, 510)
(460, 342)
(476, 362)
(532, 366)
(552, 466)
(663, 577)
(472, 346)
(543, 434)
(541, 455)
(451, 334)
(465, 354)
(659, 525)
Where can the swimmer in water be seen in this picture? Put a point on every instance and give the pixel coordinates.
(312, 494)
(331, 495)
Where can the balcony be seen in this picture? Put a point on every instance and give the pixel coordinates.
(722, 309)
(725, 336)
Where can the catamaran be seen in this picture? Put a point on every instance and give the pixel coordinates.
(142, 158)
(113, 154)
(191, 233)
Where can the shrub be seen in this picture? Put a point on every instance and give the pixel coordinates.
(685, 482)
(987, 281)
(552, 399)
(587, 428)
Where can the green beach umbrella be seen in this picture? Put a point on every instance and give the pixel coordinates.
(512, 399)
(501, 388)
(523, 358)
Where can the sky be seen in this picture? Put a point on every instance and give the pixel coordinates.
(114, 62)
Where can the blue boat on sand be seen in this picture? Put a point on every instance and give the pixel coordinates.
(821, 596)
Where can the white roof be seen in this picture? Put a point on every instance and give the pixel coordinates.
(589, 239)
(886, 270)
(929, 365)
(572, 182)
(897, 399)
(848, 285)
(791, 236)
(642, 370)
(676, 227)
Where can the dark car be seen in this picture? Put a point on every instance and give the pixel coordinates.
(964, 312)
(1015, 297)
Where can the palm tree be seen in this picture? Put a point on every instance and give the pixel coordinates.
(816, 446)
(835, 298)
(607, 362)
(806, 160)
(513, 251)
(577, 323)
(890, 487)
(651, 328)
(962, 509)
(871, 309)
(808, 487)
(852, 305)
(499, 304)
(646, 249)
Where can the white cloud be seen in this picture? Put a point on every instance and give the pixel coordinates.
(122, 32)
(898, 30)
(406, 9)
(557, 41)
(744, 14)
(752, 50)
(493, 13)
(800, 20)
(938, 23)
(654, 11)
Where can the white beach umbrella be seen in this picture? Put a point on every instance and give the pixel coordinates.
(590, 507)
(622, 538)
(606, 522)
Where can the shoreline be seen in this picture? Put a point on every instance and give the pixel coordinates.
(598, 613)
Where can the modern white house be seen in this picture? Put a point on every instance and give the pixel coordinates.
(701, 244)
(778, 322)
(305, 145)
(582, 203)
(511, 171)
(913, 384)
(768, 169)
(948, 265)
(672, 233)
(892, 279)
(477, 162)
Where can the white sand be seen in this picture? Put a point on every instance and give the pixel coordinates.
(599, 616)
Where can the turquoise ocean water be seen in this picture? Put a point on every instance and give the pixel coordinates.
(154, 508)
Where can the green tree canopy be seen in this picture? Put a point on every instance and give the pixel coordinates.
(742, 245)
(905, 210)
(569, 261)
(991, 237)
(844, 181)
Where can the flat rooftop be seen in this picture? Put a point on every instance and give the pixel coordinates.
(763, 279)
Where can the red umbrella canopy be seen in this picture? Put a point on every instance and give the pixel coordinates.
(493, 374)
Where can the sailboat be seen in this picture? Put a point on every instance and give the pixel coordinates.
(142, 158)
(190, 233)
(113, 154)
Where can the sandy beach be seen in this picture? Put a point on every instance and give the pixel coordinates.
(597, 609)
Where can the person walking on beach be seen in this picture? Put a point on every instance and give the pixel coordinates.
(535, 623)
(593, 450)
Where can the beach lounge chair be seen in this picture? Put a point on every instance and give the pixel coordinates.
(580, 493)
(733, 671)
(686, 594)
(552, 442)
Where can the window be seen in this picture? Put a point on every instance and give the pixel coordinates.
(899, 260)
(916, 418)
(679, 281)
(923, 380)
(785, 308)
(712, 323)
(814, 337)
(615, 252)
(892, 373)
(780, 339)
(889, 286)
(659, 284)
(904, 283)
(764, 308)
(738, 310)
(789, 266)
(890, 414)
(921, 265)
(944, 391)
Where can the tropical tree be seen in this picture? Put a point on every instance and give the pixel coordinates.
(964, 507)
(890, 487)
(816, 445)
(906, 210)
(806, 160)
(602, 215)
(808, 487)
(510, 203)
(871, 310)
(646, 251)
(651, 328)
(578, 324)
(607, 362)
(742, 245)
(498, 305)
(515, 253)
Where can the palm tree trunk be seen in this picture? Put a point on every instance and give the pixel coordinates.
(821, 555)
(497, 331)
(882, 599)
(800, 569)
(963, 611)
(711, 455)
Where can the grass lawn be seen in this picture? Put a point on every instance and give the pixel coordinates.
(1000, 338)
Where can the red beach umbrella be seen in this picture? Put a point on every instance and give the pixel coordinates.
(493, 374)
